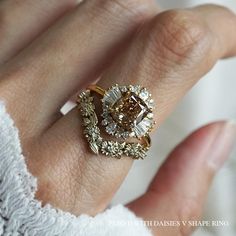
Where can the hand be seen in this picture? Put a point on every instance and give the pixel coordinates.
(52, 49)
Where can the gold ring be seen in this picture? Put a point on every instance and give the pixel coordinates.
(146, 138)
(127, 113)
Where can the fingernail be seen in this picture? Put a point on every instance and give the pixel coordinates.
(222, 145)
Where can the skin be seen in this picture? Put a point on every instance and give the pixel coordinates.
(52, 49)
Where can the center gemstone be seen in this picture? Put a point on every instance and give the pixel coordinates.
(129, 111)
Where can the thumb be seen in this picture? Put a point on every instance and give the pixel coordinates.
(179, 189)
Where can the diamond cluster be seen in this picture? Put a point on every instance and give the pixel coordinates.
(93, 135)
(127, 111)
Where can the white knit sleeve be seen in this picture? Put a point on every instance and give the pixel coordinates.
(22, 214)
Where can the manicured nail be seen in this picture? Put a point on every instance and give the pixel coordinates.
(224, 142)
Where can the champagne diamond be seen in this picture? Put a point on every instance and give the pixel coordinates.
(129, 111)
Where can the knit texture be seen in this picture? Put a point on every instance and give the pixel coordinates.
(22, 214)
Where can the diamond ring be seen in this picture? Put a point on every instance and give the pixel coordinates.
(127, 112)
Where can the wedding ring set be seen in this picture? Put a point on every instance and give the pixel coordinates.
(127, 113)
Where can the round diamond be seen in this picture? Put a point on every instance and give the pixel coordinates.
(117, 134)
(144, 94)
(125, 135)
(135, 88)
(150, 103)
(123, 89)
(104, 122)
(111, 128)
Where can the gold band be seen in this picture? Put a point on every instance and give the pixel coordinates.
(97, 89)
(146, 140)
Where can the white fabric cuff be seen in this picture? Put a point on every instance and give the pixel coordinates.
(22, 214)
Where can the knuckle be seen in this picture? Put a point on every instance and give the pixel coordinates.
(180, 34)
(139, 9)
(134, 10)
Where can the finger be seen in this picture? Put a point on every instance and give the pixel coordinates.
(22, 21)
(179, 190)
(210, 12)
(169, 54)
(67, 56)
(174, 51)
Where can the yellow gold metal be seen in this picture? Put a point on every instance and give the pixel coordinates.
(147, 140)
(97, 89)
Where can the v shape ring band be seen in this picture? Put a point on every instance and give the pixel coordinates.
(127, 112)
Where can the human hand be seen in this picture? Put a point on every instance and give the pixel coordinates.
(128, 42)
